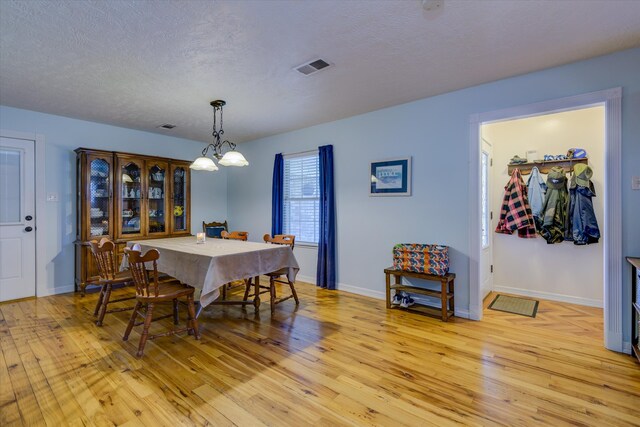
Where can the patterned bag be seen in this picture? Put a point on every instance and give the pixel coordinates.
(420, 258)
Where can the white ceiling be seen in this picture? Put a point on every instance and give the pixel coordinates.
(139, 64)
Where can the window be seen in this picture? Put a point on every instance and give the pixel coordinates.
(302, 197)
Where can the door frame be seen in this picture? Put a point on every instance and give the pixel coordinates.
(42, 288)
(489, 248)
(611, 99)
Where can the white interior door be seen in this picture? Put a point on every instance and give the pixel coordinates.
(17, 222)
(486, 239)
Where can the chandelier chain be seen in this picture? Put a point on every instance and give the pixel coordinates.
(217, 143)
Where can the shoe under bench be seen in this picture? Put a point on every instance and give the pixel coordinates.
(447, 308)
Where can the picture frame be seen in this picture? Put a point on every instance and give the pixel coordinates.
(390, 177)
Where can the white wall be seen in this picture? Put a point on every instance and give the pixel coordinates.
(435, 132)
(63, 135)
(563, 271)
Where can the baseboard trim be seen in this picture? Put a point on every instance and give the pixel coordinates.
(550, 296)
(307, 279)
(361, 291)
(626, 347)
(372, 293)
(56, 291)
(346, 288)
(463, 313)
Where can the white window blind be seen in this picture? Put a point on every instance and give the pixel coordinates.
(301, 214)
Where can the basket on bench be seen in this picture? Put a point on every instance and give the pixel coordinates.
(421, 258)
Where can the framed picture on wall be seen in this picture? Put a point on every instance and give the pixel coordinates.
(390, 177)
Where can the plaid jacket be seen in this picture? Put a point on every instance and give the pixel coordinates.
(515, 213)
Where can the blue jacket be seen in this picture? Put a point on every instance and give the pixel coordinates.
(582, 225)
(537, 189)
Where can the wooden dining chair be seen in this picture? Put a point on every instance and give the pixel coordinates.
(214, 228)
(235, 235)
(274, 277)
(151, 291)
(105, 256)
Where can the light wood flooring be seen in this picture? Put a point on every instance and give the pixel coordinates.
(339, 359)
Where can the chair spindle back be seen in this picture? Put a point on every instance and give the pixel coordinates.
(104, 253)
(281, 239)
(235, 235)
(146, 286)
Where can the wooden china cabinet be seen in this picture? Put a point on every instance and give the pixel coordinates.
(126, 197)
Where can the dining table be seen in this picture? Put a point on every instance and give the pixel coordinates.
(209, 265)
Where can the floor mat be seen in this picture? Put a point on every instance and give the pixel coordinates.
(515, 305)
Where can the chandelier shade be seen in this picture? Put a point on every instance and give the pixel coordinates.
(204, 164)
(233, 158)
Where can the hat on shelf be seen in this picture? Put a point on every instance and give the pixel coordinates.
(583, 174)
(551, 157)
(577, 153)
(556, 178)
(517, 160)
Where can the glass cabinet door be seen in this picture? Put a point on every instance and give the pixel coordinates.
(180, 202)
(157, 179)
(99, 197)
(131, 194)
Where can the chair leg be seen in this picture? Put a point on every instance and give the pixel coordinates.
(99, 303)
(105, 302)
(247, 288)
(175, 312)
(294, 293)
(145, 331)
(132, 320)
(224, 292)
(272, 293)
(192, 322)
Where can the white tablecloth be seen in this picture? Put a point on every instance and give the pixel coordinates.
(210, 265)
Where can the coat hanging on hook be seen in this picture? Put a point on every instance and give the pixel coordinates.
(515, 213)
(537, 190)
(556, 203)
(582, 225)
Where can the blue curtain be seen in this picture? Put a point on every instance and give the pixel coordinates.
(277, 197)
(326, 273)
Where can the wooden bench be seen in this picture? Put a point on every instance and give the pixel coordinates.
(445, 294)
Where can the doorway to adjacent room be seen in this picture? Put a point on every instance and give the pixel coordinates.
(562, 271)
(610, 251)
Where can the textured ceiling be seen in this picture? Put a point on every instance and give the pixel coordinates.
(138, 64)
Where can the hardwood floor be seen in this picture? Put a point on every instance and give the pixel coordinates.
(340, 359)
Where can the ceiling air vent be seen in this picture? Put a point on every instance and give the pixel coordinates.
(167, 126)
(312, 67)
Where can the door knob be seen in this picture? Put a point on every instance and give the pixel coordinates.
(28, 229)
(28, 217)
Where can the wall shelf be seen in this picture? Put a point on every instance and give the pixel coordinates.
(545, 166)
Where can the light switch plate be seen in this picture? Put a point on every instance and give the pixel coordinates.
(52, 197)
(635, 182)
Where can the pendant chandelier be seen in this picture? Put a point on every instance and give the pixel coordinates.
(230, 158)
